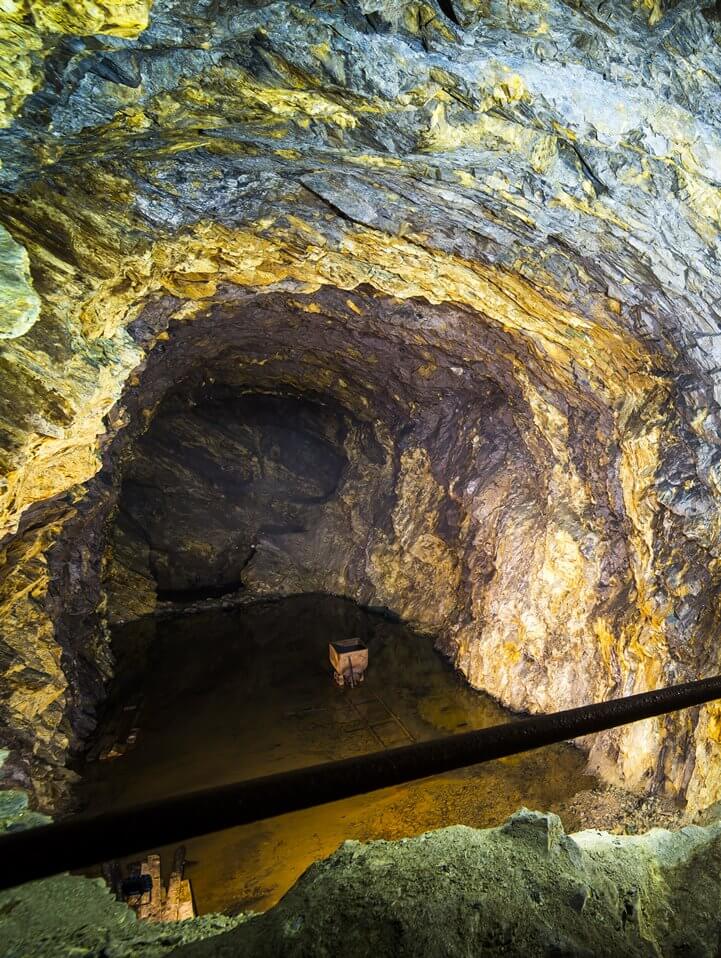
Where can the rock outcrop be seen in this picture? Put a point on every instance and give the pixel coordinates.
(74, 917)
(484, 236)
(525, 889)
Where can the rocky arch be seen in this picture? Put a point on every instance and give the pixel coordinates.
(404, 184)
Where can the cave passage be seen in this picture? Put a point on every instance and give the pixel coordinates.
(414, 302)
(226, 695)
(232, 490)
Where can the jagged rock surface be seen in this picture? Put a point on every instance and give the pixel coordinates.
(525, 889)
(487, 230)
(74, 917)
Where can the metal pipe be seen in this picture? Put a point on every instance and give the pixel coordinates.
(84, 841)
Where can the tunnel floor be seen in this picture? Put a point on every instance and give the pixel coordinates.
(231, 695)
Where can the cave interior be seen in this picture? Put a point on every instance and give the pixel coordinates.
(388, 319)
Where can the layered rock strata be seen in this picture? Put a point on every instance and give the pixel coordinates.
(475, 246)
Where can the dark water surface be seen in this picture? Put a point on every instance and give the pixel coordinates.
(223, 696)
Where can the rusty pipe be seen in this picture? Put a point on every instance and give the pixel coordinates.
(87, 840)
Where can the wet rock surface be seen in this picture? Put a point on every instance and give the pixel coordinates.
(488, 231)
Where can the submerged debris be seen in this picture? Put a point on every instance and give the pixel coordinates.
(620, 812)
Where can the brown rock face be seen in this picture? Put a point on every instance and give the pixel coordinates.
(417, 305)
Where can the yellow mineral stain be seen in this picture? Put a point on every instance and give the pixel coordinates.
(376, 160)
(492, 132)
(247, 97)
(595, 208)
(713, 722)
(20, 65)
(119, 18)
(654, 9)
(288, 154)
(416, 571)
(465, 178)
(192, 265)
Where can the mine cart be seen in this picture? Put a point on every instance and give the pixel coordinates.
(349, 658)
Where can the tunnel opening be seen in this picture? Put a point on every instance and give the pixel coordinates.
(396, 453)
(331, 455)
(403, 455)
(330, 471)
(232, 491)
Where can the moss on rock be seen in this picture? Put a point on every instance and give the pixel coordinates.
(73, 916)
(19, 303)
(523, 889)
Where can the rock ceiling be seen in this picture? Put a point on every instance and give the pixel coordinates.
(487, 230)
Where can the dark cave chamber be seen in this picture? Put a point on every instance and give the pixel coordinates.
(231, 491)
(282, 510)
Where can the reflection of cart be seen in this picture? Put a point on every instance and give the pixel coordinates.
(145, 892)
(349, 658)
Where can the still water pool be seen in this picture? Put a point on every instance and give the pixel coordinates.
(230, 695)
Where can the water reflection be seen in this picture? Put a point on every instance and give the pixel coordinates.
(224, 696)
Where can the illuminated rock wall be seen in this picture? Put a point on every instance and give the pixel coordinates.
(490, 234)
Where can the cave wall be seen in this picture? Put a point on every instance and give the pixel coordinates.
(513, 207)
(391, 517)
(231, 491)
